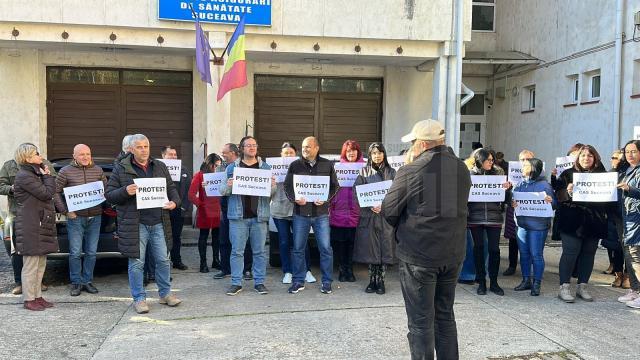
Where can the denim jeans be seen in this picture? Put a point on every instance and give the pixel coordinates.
(83, 233)
(255, 231)
(531, 245)
(154, 236)
(321, 230)
(468, 271)
(429, 294)
(285, 238)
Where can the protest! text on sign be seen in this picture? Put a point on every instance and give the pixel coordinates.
(311, 188)
(532, 204)
(174, 166)
(598, 187)
(151, 193)
(213, 181)
(396, 162)
(280, 166)
(253, 182)
(84, 196)
(565, 162)
(371, 195)
(348, 172)
(487, 188)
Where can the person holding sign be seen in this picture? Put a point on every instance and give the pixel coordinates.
(532, 230)
(374, 244)
(486, 217)
(168, 152)
(83, 225)
(573, 152)
(630, 186)
(343, 217)
(282, 213)
(35, 222)
(248, 217)
(581, 224)
(207, 214)
(311, 214)
(427, 207)
(138, 227)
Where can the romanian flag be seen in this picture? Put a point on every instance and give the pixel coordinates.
(235, 69)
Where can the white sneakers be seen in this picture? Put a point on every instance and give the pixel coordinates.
(309, 277)
(629, 296)
(287, 278)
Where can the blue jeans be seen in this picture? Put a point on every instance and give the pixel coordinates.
(83, 233)
(321, 229)
(468, 271)
(531, 245)
(285, 236)
(255, 231)
(154, 236)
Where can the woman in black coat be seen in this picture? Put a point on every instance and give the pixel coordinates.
(374, 244)
(35, 223)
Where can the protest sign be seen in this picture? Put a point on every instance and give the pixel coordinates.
(396, 161)
(174, 166)
(598, 187)
(532, 204)
(348, 172)
(213, 181)
(311, 188)
(564, 162)
(280, 166)
(371, 195)
(253, 182)
(487, 188)
(151, 193)
(515, 172)
(84, 196)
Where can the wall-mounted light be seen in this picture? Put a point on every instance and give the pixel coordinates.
(399, 50)
(15, 33)
(357, 48)
(316, 47)
(113, 37)
(64, 35)
(160, 39)
(273, 45)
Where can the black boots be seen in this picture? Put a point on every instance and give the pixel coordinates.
(203, 265)
(380, 283)
(495, 288)
(376, 279)
(482, 287)
(535, 288)
(373, 286)
(524, 285)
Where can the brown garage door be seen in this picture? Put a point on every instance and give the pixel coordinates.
(99, 106)
(332, 109)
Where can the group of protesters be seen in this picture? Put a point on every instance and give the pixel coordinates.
(422, 223)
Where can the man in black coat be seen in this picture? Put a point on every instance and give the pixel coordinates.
(137, 227)
(427, 205)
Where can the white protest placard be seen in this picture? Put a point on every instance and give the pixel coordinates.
(331, 157)
(212, 182)
(84, 196)
(280, 166)
(253, 182)
(371, 195)
(151, 193)
(599, 187)
(565, 162)
(636, 133)
(487, 188)
(396, 161)
(174, 166)
(515, 172)
(311, 187)
(348, 172)
(532, 204)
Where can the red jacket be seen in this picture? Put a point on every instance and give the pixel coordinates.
(208, 207)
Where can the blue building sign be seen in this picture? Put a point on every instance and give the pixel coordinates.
(217, 11)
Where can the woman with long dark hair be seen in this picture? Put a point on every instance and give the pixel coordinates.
(208, 213)
(581, 224)
(374, 243)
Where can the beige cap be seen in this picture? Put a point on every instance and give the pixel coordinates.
(425, 130)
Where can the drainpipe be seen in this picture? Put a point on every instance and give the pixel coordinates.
(468, 97)
(617, 78)
(459, 43)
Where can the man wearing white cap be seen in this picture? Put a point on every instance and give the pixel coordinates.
(427, 205)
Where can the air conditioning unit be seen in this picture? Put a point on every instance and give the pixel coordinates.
(500, 92)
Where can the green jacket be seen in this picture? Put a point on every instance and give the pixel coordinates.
(8, 177)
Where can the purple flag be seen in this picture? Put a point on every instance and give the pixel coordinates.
(202, 54)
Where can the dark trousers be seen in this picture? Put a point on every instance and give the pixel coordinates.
(493, 241)
(429, 293)
(177, 222)
(16, 263)
(578, 252)
(215, 245)
(225, 247)
(513, 253)
(616, 259)
(342, 241)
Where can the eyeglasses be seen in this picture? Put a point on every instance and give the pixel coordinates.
(250, 145)
(490, 160)
(631, 152)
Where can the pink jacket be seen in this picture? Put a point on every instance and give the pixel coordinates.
(344, 210)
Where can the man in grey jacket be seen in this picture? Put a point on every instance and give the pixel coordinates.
(427, 205)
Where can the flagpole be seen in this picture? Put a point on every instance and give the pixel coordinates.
(215, 58)
(227, 47)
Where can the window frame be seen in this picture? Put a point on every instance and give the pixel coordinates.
(591, 88)
(487, 4)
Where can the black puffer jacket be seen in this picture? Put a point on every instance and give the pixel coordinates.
(485, 213)
(35, 214)
(128, 214)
